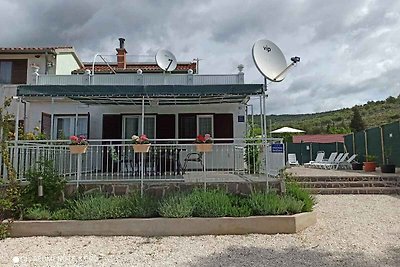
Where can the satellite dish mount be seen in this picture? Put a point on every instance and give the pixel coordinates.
(271, 63)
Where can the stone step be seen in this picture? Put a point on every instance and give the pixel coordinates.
(356, 190)
(346, 184)
(347, 179)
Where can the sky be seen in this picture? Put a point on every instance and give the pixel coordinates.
(348, 49)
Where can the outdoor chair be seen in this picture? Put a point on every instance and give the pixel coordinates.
(330, 160)
(192, 157)
(347, 164)
(339, 159)
(292, 160)
(318, 159)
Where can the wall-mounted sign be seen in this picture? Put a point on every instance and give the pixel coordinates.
(277, 148)
(240, 118)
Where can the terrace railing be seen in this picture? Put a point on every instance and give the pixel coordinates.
(139, 79)
(171, 160)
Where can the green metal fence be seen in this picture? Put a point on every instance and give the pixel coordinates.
(382, 142)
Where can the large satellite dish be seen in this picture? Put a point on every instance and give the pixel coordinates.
(269, 60)
(166, 60)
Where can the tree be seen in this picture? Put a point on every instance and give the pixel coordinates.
(357, 124)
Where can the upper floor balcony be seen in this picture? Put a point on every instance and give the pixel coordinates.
(139, 79)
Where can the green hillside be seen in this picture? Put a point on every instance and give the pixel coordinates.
(374, 113)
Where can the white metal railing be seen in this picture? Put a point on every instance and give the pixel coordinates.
(139, 79)
(167, 160)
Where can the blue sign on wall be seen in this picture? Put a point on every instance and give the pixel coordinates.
(277, 148)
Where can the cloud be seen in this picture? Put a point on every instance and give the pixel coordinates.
(349, 49)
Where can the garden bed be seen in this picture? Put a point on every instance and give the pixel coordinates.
(284, 224)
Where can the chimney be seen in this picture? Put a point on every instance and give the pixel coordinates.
(121, 54)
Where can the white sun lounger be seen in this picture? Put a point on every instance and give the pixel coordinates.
(319, 158)
(347, 164)
(339, 159)
(330, 160)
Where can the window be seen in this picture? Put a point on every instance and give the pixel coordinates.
(205, 124)
(5, 72)
(132, 124)
(65, 126)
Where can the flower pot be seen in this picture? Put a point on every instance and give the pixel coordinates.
(78, 149)
(388, 168)
(141, 148)
(357, 166)
(204, 147)
(369, 166)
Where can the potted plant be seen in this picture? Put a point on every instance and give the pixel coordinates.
(204, 143)
(141, 144)
(357, 166)
(78, 145)
(370, 163)
(388, 167)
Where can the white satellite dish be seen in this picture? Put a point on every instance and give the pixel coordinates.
(269, 60)
(166, 60)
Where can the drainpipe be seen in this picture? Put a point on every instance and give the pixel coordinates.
(46, 67)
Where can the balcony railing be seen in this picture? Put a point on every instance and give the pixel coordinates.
(139, 79)
(173, 160)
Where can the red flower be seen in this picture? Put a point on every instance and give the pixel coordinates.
(200, 138)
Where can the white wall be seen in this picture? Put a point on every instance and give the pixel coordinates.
(39, 61)
(97, 111)
(65, 64)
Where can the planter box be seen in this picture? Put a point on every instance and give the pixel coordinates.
(141, 148)
(204, 147)
(369, 166)
(287, 224)
(388, 168)
(78, 149)
(357, 166)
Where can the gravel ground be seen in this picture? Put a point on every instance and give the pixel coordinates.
(352, 230)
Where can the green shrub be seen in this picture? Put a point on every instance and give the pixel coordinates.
(212, 203)
(293, 189)
(176, 206)
(62, 214)
(53, 186)
(5, 230)
(293, 205)
(267, 204)
(37, 212)
(136, 206)
(98, 207)
(240, 207)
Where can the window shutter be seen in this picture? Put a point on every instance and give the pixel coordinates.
(19, 71)
(46, 124)
(223, 126)
(165, 126)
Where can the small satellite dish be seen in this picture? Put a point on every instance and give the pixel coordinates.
(166, 60)
(269, 60)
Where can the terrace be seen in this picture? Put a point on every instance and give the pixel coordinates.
(114, 161)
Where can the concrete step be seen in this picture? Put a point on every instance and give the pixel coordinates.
(347, 178)
(356, 190)
(348, 184)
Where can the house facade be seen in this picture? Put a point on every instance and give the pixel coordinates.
(111, 101)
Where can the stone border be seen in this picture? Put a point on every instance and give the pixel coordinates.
(285, 224)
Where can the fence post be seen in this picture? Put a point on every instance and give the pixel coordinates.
(382, 146)
(366, 142)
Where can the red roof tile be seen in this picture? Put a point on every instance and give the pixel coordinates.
(31, 49)
(133, 67)
(319, 138)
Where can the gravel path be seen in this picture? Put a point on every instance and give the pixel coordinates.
(352, 230)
